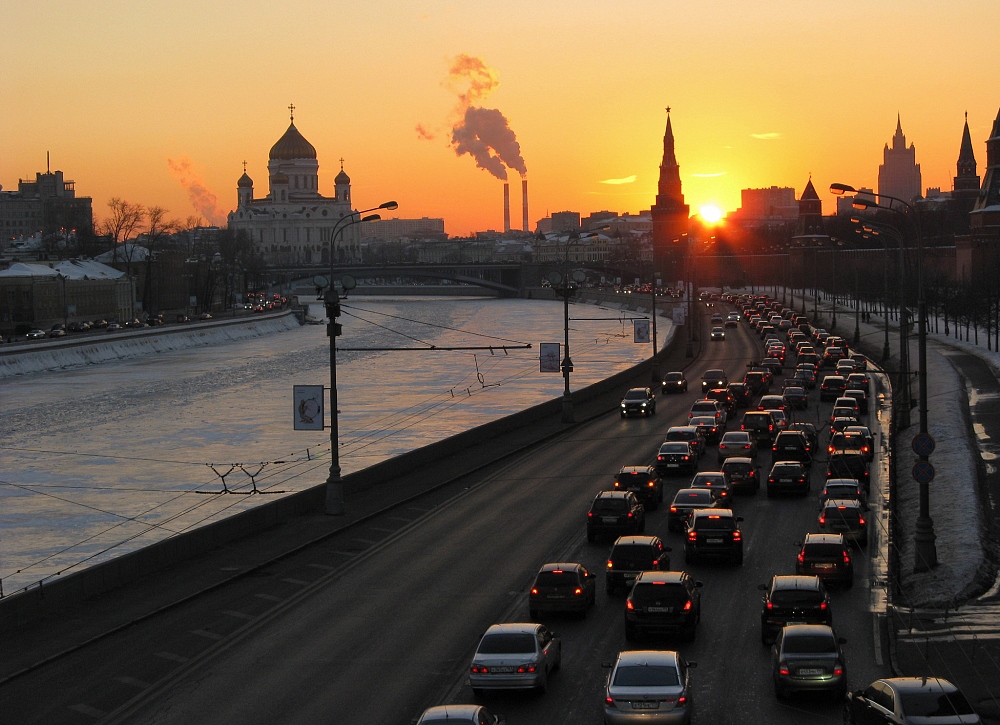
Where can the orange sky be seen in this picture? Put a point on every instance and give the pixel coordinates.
(763, 93)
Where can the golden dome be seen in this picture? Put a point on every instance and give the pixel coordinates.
(245, 181)
(292, 145)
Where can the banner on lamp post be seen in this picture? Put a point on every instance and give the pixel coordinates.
(308, 407)
(640, 331)
(548, 357)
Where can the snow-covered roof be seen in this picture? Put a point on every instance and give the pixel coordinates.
(70, 268)
(125, 252)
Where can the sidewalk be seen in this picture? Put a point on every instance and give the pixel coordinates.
(945, 622)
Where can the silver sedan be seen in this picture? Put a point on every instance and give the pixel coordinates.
(515, 656)
(648, 686)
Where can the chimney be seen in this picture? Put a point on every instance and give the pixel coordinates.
(524, 205)
(506, 207)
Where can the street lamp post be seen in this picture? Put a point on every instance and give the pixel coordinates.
(869, 229)
(833, 319)
(923, 538)
(65, 304)
(334, 483)
(566, 287)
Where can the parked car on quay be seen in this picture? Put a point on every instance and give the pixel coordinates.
(910, 700)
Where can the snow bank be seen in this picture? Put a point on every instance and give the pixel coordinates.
(55, 356)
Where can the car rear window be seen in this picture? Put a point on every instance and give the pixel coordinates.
(688, 497)
(681, 435)
(632, 556)
(848, 513)
(824, 550)
(809, 644)
(506, 643)
(704, 408)
(795, 597)
(673, 448)
(841, 492)
(786, 469)
(670, 594)
(935, 704)
(732, 466)
(611, 506)
(723, 523)
(634, 476)
(556, 579)
(635, 395)
(646, 676)
(708, 479)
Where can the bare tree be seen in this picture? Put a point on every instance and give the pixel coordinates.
(157, 230)
(123, 222)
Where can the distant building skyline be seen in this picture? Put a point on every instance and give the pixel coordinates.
(899, 173)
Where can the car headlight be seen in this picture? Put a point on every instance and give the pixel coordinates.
(643, 405)
(623, 403)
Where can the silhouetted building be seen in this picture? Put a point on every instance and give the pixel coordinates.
(670, 214)
(899, 174)
(810, 211)
(48, 204)
(845, 204)
(975, 251)
(399, 228)
(565, 221)
(759, 206)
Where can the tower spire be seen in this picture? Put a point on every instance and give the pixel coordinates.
(291, 113)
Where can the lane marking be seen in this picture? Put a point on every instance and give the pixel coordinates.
(237, 615)
(88, 710)
(269, 597)
(214, 636)
(297, 582)
(133, 682)
(171, 657)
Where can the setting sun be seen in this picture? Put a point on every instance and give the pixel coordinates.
(710, 213)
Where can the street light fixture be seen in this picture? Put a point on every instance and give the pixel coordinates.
(334, 483)
(923, 537)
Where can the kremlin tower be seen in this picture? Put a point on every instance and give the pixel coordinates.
(670, 213)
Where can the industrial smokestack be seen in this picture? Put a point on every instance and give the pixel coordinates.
(506, 207)
(524, 205)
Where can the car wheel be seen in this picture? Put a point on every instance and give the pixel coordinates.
(532, 614)
(477, 691)
(780, 691)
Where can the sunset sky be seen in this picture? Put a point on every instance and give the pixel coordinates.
(762, 93)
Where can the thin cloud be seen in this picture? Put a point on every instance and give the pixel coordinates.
(710, 176)
(765, 136)
(625, 180)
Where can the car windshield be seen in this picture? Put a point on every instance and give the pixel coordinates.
(610, 506)
(674, 377)
(824, 550)
(713, 375)
(809, 644)
(556, 579)
(673, 448)
(646, 676)
(507, 643)
(669, 594)
(935, 704)
(635, 395)
(795, 597)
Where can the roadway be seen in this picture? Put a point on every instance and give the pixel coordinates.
(381, 622)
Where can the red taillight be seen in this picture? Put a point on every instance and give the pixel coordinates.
(722, 446)
(861, 522)
(617, 484)
(838, 670)
(770, 480)
(578, 591)
(610, 564)
(822, 520)
(847, 558)
(526, 669)
(673, 509)
(746, 447)
(822, 605)
(770, 427)
(534, 590)
(783, 669)
(687, 606)
(682, 700)
(742, 427)
(480, 669)
(659, 458)
(629, 604)
(687, 457)
(802, 557)
(610, 701)
(590, 514)
(737, 536)
(630, 514)
(692, 536)
(651, 484)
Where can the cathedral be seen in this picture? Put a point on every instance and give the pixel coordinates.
(294, 223)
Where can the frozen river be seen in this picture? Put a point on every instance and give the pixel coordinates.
(102, 459)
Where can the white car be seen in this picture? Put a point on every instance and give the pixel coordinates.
(648, 686)
(515, 656)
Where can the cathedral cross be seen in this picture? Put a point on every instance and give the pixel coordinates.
(341, 163)
(291, 112)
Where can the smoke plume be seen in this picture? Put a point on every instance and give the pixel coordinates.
(424, 134)
(203, 200)
(481, 79)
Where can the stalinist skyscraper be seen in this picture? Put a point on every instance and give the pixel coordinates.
(670, 213)
(899, 174)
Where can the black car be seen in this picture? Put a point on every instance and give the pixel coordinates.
(614, 513)
(723, 397)
(809, 431)
(687, 434)
(787, 477)
(759, 424)
(638, 401)
(848, 464)
(796, 397)
(792, 445)
(742, 474)
(908, 700)
(632, 555)
(562, 587)
(713, 532)
(663, 603)
(793, 600)
(740, 393)
(713, 379)
(757, 382)
(676, 457)
(674, 382)
(826, 556)
(832, 387)
(687, 500)
(644, 482)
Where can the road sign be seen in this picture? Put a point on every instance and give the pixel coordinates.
(923, 444)
(923, 472)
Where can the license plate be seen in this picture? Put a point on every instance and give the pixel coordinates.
(660, 610)
(810, 671)
(673, 465)
(785, 480)
(713, 541)
(556, 596)
(823, 567)
(645, 705)
(502, 670)
(609, 519)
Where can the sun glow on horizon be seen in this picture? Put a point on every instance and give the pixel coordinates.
(710, 213)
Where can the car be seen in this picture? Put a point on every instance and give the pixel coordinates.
(713, 532)
(674, 382)
(809, 358)
(832, 387)
(663, 602)
(826, 556)
(771, 402)
(718, 334)
(780, 419)
(847, 442)
(706, 407)
(613, 513)
(154, 321)
(845, 401)
(859, 381)
(759, 424)
(845, 367)
(737, 443)
(113, 326)
(809, 431)
(787, 477)
(688, 434)
(458, 715)
(57, 331)
(740, 393)
(868, 449)
(731, 321)
(676, 457)
(860, 362)
(205, 316)
(77, 326)
(843, 488)
(833, 355)
(792, 445)
(860, 396)
(714, 379)
(757, 382)
(742, 474)
(562, 587)
(644, 482)
(35, 334)
(716, 482)
(724, 398)
(849, 465)
(910, 700)
(796, 397)
(708, 426)
(638, 401)
(515, 656)
(642, 683)
(99, 324)
(844, 516)
(632, 555)
(793, 599)
(687, 500)
(182, 319)
(808, 658)
(716, 319)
